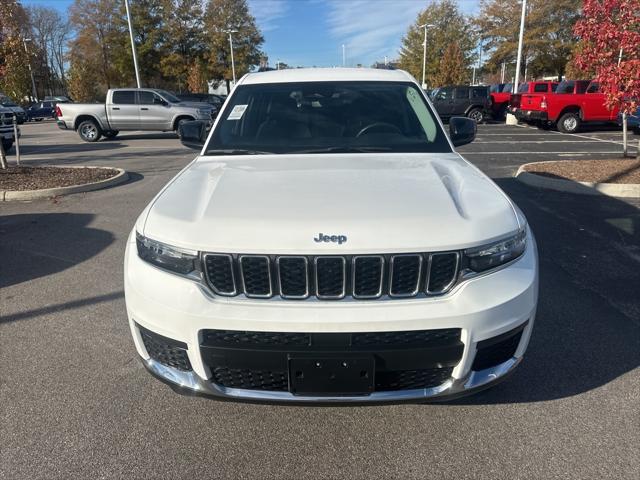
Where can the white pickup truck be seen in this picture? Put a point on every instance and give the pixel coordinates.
(130, 109)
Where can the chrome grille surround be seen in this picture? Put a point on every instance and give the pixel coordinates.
(337, 282)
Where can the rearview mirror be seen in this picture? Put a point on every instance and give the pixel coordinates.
(193, 134)
(462, 130)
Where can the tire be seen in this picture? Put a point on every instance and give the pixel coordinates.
(89, 131)
(476, 114)
(7, 144)
(111, 134)
(180, 122)
(569, 123)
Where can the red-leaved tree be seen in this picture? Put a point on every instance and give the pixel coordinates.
(606, 27)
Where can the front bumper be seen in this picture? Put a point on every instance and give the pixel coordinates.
(62, 125)
(484, 308)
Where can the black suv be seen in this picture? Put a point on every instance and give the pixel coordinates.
(462, 100)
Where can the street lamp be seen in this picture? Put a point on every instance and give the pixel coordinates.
(511, 119)
(34, 92)
(424, 53)
(133, 44)
(233, 65)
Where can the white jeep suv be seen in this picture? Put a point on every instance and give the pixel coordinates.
(328, 244)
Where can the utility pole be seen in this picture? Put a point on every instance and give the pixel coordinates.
(233, 64)
(511, 119)
(34, 92)
(344, 56)
(424, 54)
(504, 67)
(133, 44)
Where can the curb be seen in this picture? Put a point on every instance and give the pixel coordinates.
(11, 195)
(623, 190)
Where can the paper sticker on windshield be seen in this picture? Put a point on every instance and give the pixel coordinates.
(237, 112)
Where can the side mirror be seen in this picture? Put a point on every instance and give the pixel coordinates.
(462, 130)
(193, 134)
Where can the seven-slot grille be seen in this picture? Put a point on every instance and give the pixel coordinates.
(332, 277)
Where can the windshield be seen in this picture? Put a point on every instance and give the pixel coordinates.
(168, 96)
(316, 117)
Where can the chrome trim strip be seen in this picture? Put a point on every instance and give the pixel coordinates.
(244, 287)
(353, 276)
(306, 277)
(454, 279)
(453, 387)
(344, 277)
(417, 288)
(233, 274)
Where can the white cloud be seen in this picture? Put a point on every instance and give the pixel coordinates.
(268, 12)
(371, 29)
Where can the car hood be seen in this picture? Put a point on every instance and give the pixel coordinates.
(382, 203)
(201, 105)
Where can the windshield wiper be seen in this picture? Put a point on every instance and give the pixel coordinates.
(344, 149)
(237, 151)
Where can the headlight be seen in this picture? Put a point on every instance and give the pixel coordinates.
(166, 256)
(493, 255)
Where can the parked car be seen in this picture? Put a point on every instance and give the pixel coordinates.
(469, 101)
(500, 94)
(41, 110)
(210, 98)
(574, 103)
(17, 110)
(633, 121)
(130, 109)
(528, 98)
(57, 99)
(330, 245)
(7, 134)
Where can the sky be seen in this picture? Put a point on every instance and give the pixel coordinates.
(312, 32)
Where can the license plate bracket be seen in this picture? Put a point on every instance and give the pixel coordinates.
(331, 376)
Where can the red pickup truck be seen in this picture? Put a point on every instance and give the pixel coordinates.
(574, 103)
(528, 98)
(500, 94)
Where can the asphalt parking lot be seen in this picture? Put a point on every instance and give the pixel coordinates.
(76, 403)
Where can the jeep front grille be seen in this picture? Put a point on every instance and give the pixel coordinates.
(330, 277)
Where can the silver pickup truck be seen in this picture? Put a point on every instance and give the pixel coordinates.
(130, 109)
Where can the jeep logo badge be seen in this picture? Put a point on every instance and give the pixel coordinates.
(339, 239)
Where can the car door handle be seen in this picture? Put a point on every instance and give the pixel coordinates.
(144, 108)
(115, 108)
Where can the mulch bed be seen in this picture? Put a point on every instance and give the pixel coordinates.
(37, 178)
(595, 171)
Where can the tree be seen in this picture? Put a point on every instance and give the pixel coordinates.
(450, 27)
(223, 15)
(14, 59)
(50, 34)
(452, 69)
(610, 44)
(99, 43)
(185, 45)
(196, 79)
(548, 39)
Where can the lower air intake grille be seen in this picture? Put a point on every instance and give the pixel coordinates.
(250, 379)
(430, 338)
(411, 379)
(166, 351)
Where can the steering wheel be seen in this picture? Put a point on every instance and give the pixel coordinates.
(381, 125)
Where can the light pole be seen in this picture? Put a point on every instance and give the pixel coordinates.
(344, 56)
(133, 44)
(233, 65)
(424, 53)
(33, 82)
(511, 119)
